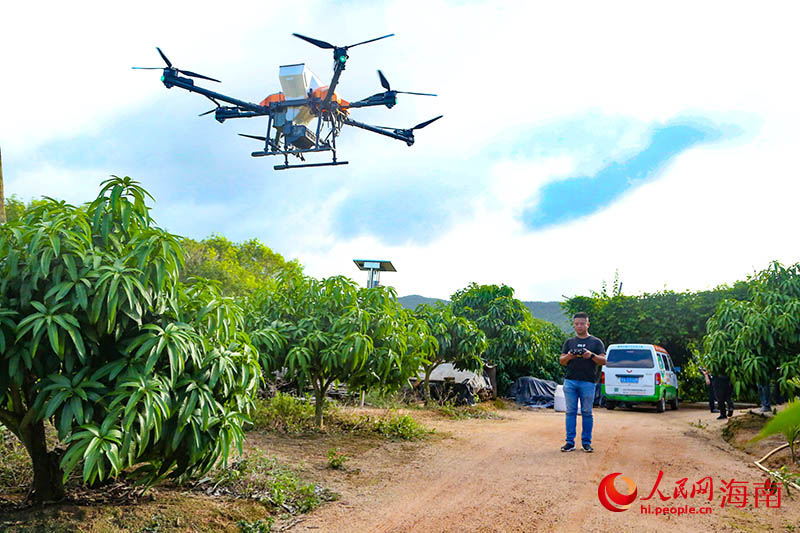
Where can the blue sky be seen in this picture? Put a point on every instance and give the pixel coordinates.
(569, 130)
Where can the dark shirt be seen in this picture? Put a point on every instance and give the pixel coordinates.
(583, 369)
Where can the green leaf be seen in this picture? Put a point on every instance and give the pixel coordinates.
(77, 409)
(52, 334)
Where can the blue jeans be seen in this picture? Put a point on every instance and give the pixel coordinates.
(574, 389)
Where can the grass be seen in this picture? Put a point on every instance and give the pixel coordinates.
(480, 410)
(288, 414)
(388, 400)
(260, 477)
(699, 424)
(16, 472)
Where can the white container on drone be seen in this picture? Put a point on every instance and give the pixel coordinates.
(297, 81)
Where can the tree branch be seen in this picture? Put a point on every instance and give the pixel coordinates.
(10, 420)
(16, 400)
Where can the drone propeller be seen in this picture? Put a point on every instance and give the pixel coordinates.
(164, 57)
(169, 66)
(423, 124)
(207, 112)
(326, 45)
(417, 127)
(256, 137)
(385, 84)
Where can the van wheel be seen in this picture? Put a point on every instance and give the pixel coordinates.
(611, 404)
(661, 406)
(673, 403)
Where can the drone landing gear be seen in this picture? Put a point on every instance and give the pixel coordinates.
(330, 164)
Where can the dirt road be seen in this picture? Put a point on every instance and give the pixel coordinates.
(509, 475)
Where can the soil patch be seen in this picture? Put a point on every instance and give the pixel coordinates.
(741, 429)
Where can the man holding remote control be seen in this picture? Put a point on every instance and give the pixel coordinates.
(581, 354)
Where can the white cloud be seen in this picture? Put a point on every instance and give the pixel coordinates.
(76, 185)
(502, 70)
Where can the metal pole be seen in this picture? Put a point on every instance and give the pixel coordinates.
(2, 194)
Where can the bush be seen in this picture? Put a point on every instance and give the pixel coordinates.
(336, 460)
(259, 526)
(284, 412)
(401, 427)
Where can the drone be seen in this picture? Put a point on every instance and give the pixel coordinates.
(290, 112)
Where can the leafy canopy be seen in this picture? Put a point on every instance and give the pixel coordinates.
(758, 340)
(98, 336)
(458, 340)
(516, 342)
(239, 267)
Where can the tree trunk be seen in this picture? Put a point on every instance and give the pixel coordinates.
(47, 475)
(319, 396)
(427, 385)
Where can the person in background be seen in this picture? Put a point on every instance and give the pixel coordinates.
(763, 395)
(709, 389)
(723, 391)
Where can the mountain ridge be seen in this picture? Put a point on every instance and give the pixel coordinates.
(550, 311)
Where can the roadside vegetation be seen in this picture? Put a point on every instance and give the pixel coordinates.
(288, 414)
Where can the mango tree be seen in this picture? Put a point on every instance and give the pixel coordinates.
(98, 337)
(239, 267)
(516, 342)
(758, 340)
(330, 330)
(401, 343)
(458, 341)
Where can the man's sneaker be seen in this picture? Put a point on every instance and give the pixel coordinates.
(568, 448)
(722, 417)
(730, 413)
(588, 448)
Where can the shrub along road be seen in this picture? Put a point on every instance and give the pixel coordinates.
(509, 475)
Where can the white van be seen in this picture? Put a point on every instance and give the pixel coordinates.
(639, 373)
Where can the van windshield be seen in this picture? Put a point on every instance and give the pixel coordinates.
(629, 358)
